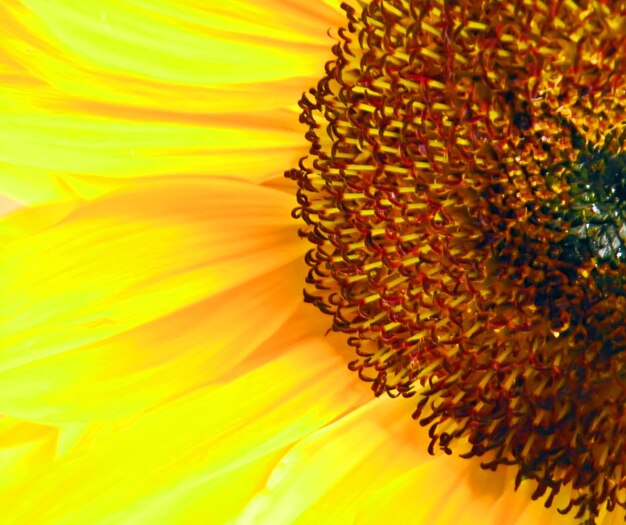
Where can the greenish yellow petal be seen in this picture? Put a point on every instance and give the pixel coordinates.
(172, 464)
(189, 43)
(95, 94)
(83, 155)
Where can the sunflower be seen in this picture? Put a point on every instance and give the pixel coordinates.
(157, 362)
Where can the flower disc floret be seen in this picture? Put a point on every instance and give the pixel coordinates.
(465, 198)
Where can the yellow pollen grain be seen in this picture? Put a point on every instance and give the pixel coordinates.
(391, 9)
(372, 266)
(409, 262)
(396, 169)
(374, 22)
(344, 155)
(430, 54)
(371, 298)
(400, 54)
(382, 83)
(436, 144)
(361, 168)
(432, 30)
(528, 445)
(502, 357)
(374, 319)
(390, 326)
(461, 59)
(341, 258)
(545, 51)
(492, 426)
(479, 26)
(441, 323)
(356, 278)
(508, 383)
(457, 399)
(356, 245)
(395, 282)
(399, 125)
(352, 197)
(486, 378)
(426, 313)
(475, 327)
(365, 107)
(457, 301)
(538, 417)
(417, 336)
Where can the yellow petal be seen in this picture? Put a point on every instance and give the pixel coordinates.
(93, 94)
(616, 517)
(172, 464)
(188, 42)
(306, 322)
(450, 489)
(132, 371)
(45, 157)
(324, 478)
(26, 449)
(7, 205)
(372, 467)
(135, 256)
(19, 221)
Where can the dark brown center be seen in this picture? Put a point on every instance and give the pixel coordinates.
(464, 195)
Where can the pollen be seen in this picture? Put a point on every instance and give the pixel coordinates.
(465, 200)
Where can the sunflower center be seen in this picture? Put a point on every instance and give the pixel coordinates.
(468, 232)
(598, 216)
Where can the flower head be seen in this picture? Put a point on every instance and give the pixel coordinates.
(157, 364)
(465, 197)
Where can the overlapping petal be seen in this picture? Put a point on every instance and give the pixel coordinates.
(141, 295)
(200, 458)
(95, 94)
(336, 476)
(26, 449)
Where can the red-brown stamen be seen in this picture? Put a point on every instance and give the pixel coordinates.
(456, 152)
